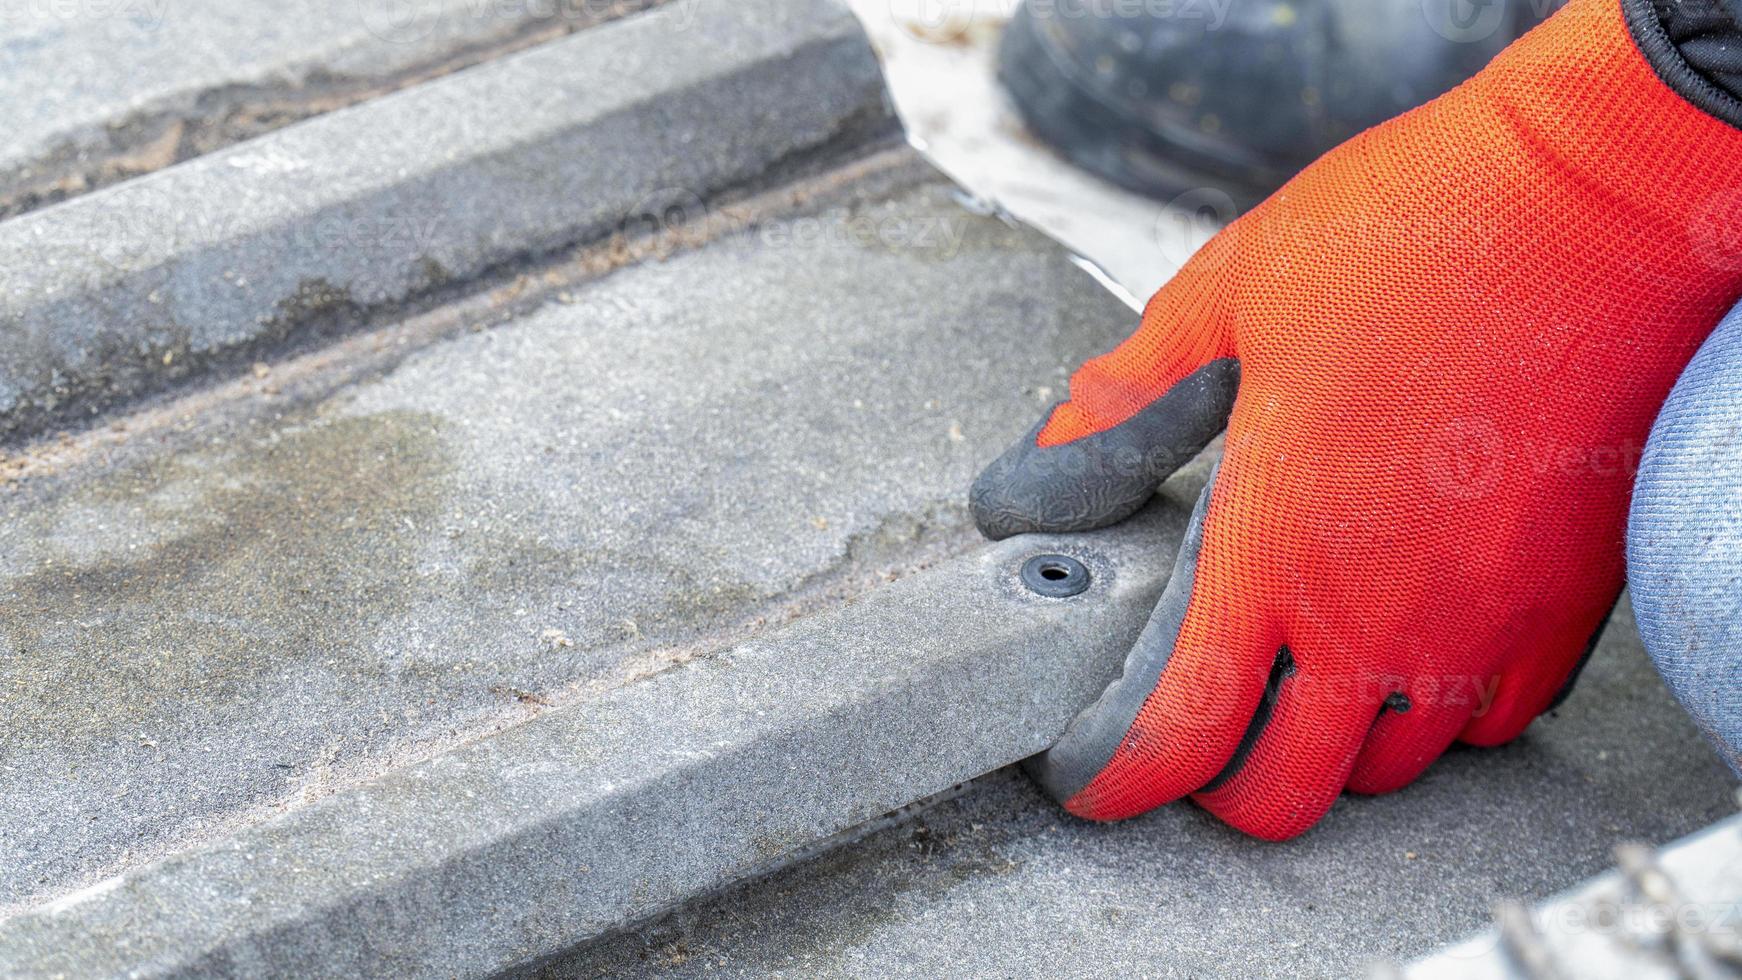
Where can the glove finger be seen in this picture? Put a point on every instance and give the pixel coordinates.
(1135, 415)
(1404, 742)
(1501, 715)
(1566, 688)
(1546, 659)
(1507, 708)
(1106, 476)
(1175, 715)
(1294, 759)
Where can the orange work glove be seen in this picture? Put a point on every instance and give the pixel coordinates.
(1442, 346)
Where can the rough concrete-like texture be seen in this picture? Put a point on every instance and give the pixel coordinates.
(93, 91)
(595, 815)
(238, 616)
(307, 229)
(1001, 883)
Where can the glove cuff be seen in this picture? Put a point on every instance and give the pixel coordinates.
(1685, 45)
(1586, 106)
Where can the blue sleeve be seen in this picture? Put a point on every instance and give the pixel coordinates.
(1684, 540)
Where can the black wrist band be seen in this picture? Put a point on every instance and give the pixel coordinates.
(1695, 46)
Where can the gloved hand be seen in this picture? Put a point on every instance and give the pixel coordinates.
(1442, 346)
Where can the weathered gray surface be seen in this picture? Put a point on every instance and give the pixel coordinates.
(599, 814)
(1001, 883)
(95, 90)
(127, 289)
(217, 629)
(232, 616)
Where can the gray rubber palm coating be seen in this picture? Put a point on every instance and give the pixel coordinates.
(1094, 735)
(1103, 478)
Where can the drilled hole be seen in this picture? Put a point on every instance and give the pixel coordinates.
(1055, 576)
